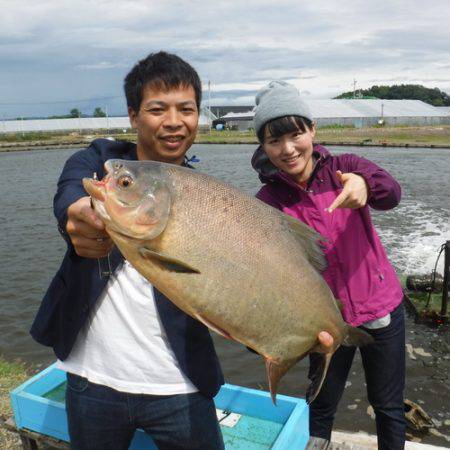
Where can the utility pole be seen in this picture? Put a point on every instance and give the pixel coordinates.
(107, 119)
(354, 88)
(209, 107)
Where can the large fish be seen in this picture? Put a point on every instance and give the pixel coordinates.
(241, 267)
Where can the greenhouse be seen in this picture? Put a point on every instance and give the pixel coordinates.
(360, 113)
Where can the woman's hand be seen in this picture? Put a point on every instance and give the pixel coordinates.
(354, 193)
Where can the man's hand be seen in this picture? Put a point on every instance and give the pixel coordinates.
(86, 230)
(326, 342)
(354, 193)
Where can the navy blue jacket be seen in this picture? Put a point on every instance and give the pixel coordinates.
(77, 285)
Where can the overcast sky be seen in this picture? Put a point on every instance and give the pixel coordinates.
(60, 54)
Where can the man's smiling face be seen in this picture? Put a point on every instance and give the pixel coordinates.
(166, 123)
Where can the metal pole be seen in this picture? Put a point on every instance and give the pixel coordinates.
(209, 107)
(107, 119)
(446, 286)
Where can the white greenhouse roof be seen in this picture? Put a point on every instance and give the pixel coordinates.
(82, 123)
(444, 110)
(339, 108)
(371, 108)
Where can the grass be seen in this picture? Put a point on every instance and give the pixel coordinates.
(420, 300)
(336, 126)
(335, 134)
(425, 135)
(50, 136)
(12, 374)
(226, 137)
(436, 136)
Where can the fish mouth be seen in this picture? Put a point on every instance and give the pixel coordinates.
(95, 188)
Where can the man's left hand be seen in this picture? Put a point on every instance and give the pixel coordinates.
(354, 193)
(326, 342)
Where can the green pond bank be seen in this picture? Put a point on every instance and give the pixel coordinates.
(12, 374)
(424, 136)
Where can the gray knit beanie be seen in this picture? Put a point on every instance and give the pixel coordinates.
(278, 99)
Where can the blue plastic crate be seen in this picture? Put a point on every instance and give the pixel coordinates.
(38, 405)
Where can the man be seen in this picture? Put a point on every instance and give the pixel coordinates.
(133, 359)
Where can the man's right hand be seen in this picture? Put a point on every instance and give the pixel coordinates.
(86, 231)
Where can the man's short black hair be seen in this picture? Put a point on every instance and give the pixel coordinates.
(283, 125)
(161, 70)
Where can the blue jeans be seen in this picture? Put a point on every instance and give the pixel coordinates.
(101, 418)
(384, 368)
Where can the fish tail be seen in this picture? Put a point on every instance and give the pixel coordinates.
(356, 337)
(275, 371)
(318, 377)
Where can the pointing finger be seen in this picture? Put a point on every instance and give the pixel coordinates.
(337, 202)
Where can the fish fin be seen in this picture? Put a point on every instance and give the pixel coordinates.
(308, 239)
(318, 378)
(213, 327)
(356, 337)
(169, 263)
(275, 372)
(339, 304)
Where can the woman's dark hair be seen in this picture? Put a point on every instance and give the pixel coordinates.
(283, 125)
(163, 71)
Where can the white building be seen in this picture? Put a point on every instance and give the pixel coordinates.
(82, 124)
(360, 112)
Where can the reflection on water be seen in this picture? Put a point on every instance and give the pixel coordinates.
(31, 251)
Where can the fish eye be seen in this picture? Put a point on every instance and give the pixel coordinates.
(125, 181)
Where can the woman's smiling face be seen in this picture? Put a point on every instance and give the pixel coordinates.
(291, 152)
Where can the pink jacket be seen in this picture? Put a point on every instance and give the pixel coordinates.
(359, 272)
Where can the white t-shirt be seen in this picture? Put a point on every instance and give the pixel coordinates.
(123, 344)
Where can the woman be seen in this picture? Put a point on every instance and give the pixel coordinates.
(333, 195)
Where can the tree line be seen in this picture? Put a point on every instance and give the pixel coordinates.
(433, 96)
(75, 112)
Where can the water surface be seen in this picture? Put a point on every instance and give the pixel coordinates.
(31, 251)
